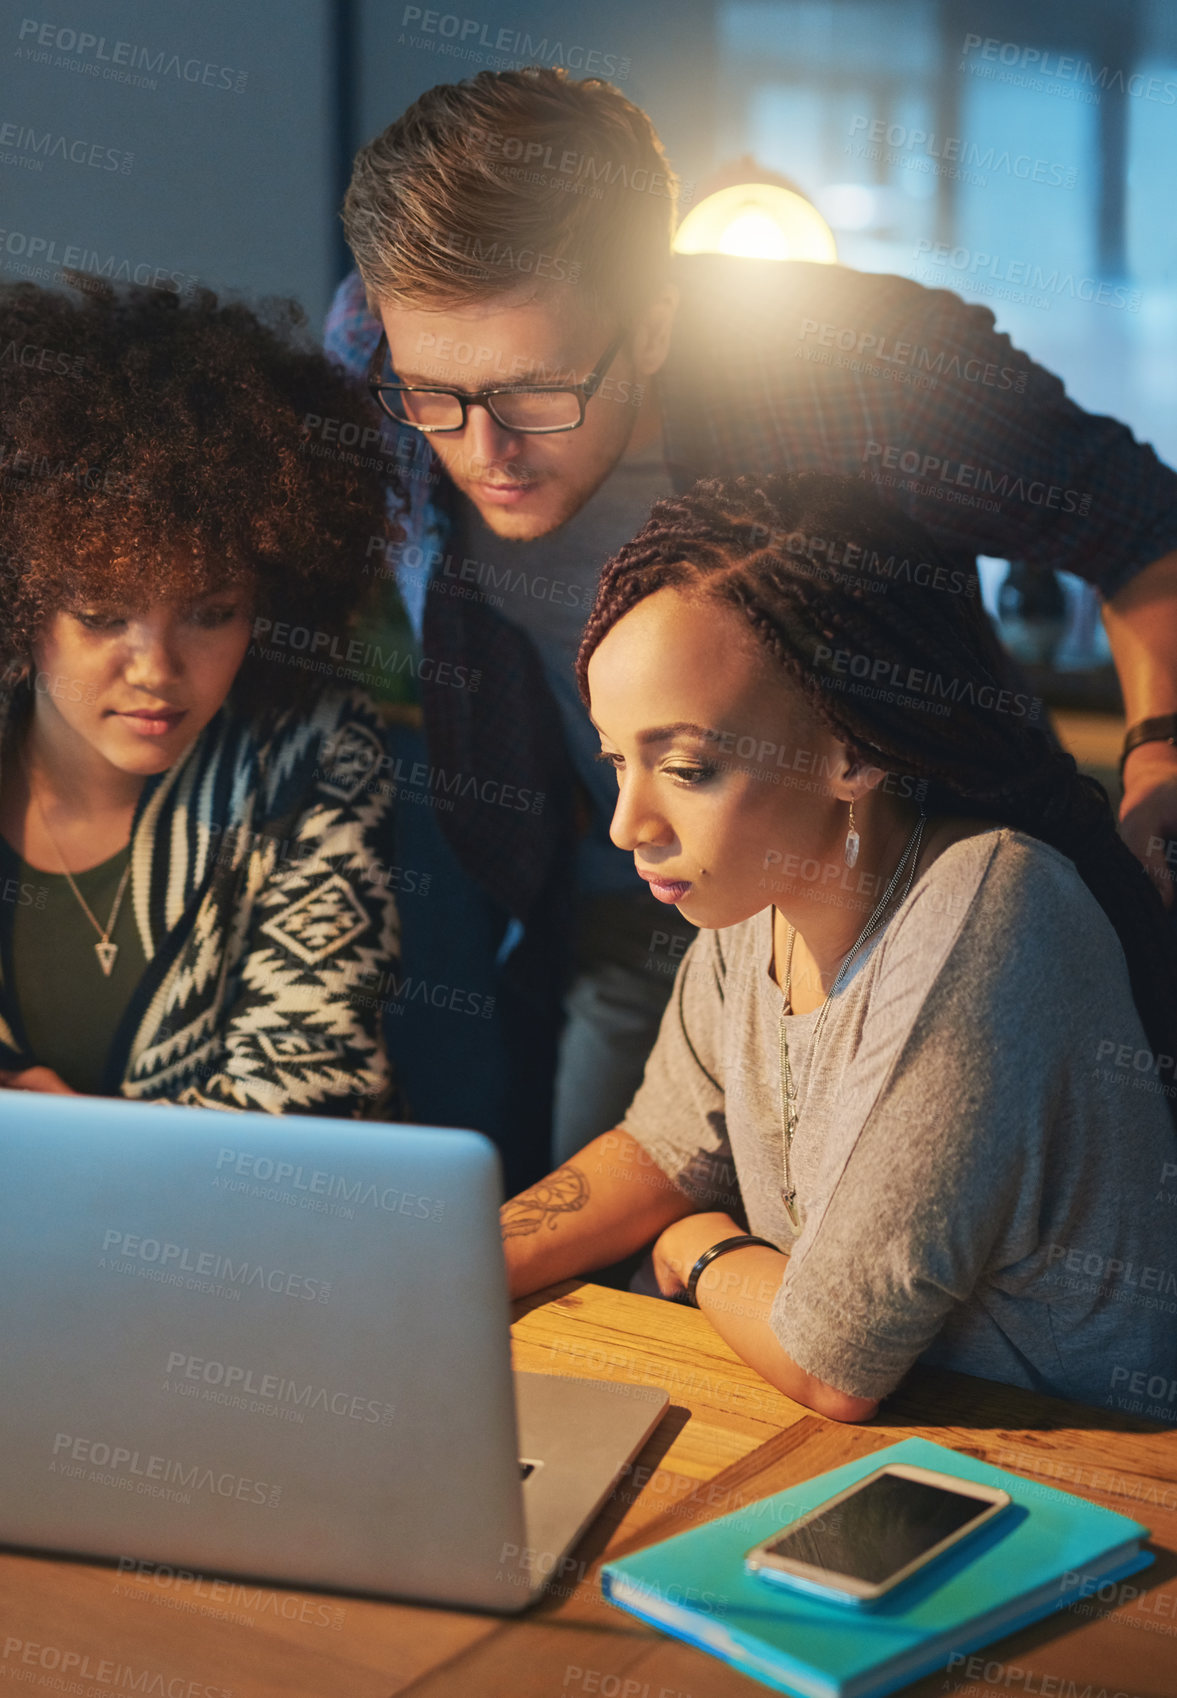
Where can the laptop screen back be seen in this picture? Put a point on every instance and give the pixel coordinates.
(257, 1345)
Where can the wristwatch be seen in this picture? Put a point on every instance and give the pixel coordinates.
(717, 1250)
(1162, 729)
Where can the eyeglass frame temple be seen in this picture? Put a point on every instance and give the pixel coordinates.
(584, 392)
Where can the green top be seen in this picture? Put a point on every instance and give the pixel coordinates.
(69, 1008)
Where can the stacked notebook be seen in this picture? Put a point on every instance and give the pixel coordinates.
(1043, 1551)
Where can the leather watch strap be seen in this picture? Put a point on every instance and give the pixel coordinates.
(1162, 729)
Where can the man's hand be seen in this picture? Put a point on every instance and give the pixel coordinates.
(1141, 623)
(37, 1079)
(683, 1242)
(1148, 813)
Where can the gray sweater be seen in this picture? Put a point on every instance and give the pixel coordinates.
(982, 1144)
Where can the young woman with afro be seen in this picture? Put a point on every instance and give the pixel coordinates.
(190, 819)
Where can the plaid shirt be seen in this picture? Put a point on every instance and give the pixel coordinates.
(787, 368)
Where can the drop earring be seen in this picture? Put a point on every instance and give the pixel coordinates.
(852, 840)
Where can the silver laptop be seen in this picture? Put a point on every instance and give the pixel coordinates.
(277, 1347)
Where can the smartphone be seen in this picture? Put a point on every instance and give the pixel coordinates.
(860, 1544)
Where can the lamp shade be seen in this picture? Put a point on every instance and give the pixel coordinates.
(757, 221)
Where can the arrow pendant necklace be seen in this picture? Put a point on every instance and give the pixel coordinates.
(106, 951)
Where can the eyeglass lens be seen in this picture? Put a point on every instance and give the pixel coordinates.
(513, 409)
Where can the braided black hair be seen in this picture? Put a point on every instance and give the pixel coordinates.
(888, 641)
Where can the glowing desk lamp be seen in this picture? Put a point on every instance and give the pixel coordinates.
(754, 214)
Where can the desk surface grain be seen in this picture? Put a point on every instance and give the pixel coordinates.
(727, 1439)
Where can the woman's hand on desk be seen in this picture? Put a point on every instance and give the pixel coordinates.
(36, 1079)
(736, 1293)
(683, 1242)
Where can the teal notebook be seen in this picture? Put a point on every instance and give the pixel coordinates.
(1033, 1559)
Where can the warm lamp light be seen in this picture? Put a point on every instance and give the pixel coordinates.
(757, 221)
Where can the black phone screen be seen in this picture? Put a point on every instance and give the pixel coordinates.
(880, 1529)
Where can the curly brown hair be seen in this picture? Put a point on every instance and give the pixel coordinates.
(159, 445)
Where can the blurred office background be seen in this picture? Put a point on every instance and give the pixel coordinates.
(240, 150)
(1016, 142)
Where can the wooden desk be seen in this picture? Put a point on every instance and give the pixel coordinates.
(727, 1439)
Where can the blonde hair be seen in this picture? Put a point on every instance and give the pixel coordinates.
(513, 176)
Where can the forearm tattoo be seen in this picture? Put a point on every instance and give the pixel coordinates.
(561, 1193)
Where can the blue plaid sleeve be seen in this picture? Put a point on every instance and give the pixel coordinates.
(1053, 484)
(826, 369)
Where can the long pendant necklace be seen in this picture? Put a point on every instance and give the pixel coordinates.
(106, 951)
(788, 1096)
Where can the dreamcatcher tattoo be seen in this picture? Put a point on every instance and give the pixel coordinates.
(562, 1193)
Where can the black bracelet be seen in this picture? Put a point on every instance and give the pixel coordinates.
(721, 1249)
(1162, 729)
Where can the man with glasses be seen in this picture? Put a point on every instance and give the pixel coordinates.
(513, 234)
(552, 451)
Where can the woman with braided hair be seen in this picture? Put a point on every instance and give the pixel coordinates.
(915, 1083)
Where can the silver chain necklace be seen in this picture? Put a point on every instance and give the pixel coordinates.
(106, 951)
(788, 1096)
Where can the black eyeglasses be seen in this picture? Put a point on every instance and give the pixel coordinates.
(532, 409)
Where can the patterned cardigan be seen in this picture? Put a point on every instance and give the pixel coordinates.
(266, 918)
